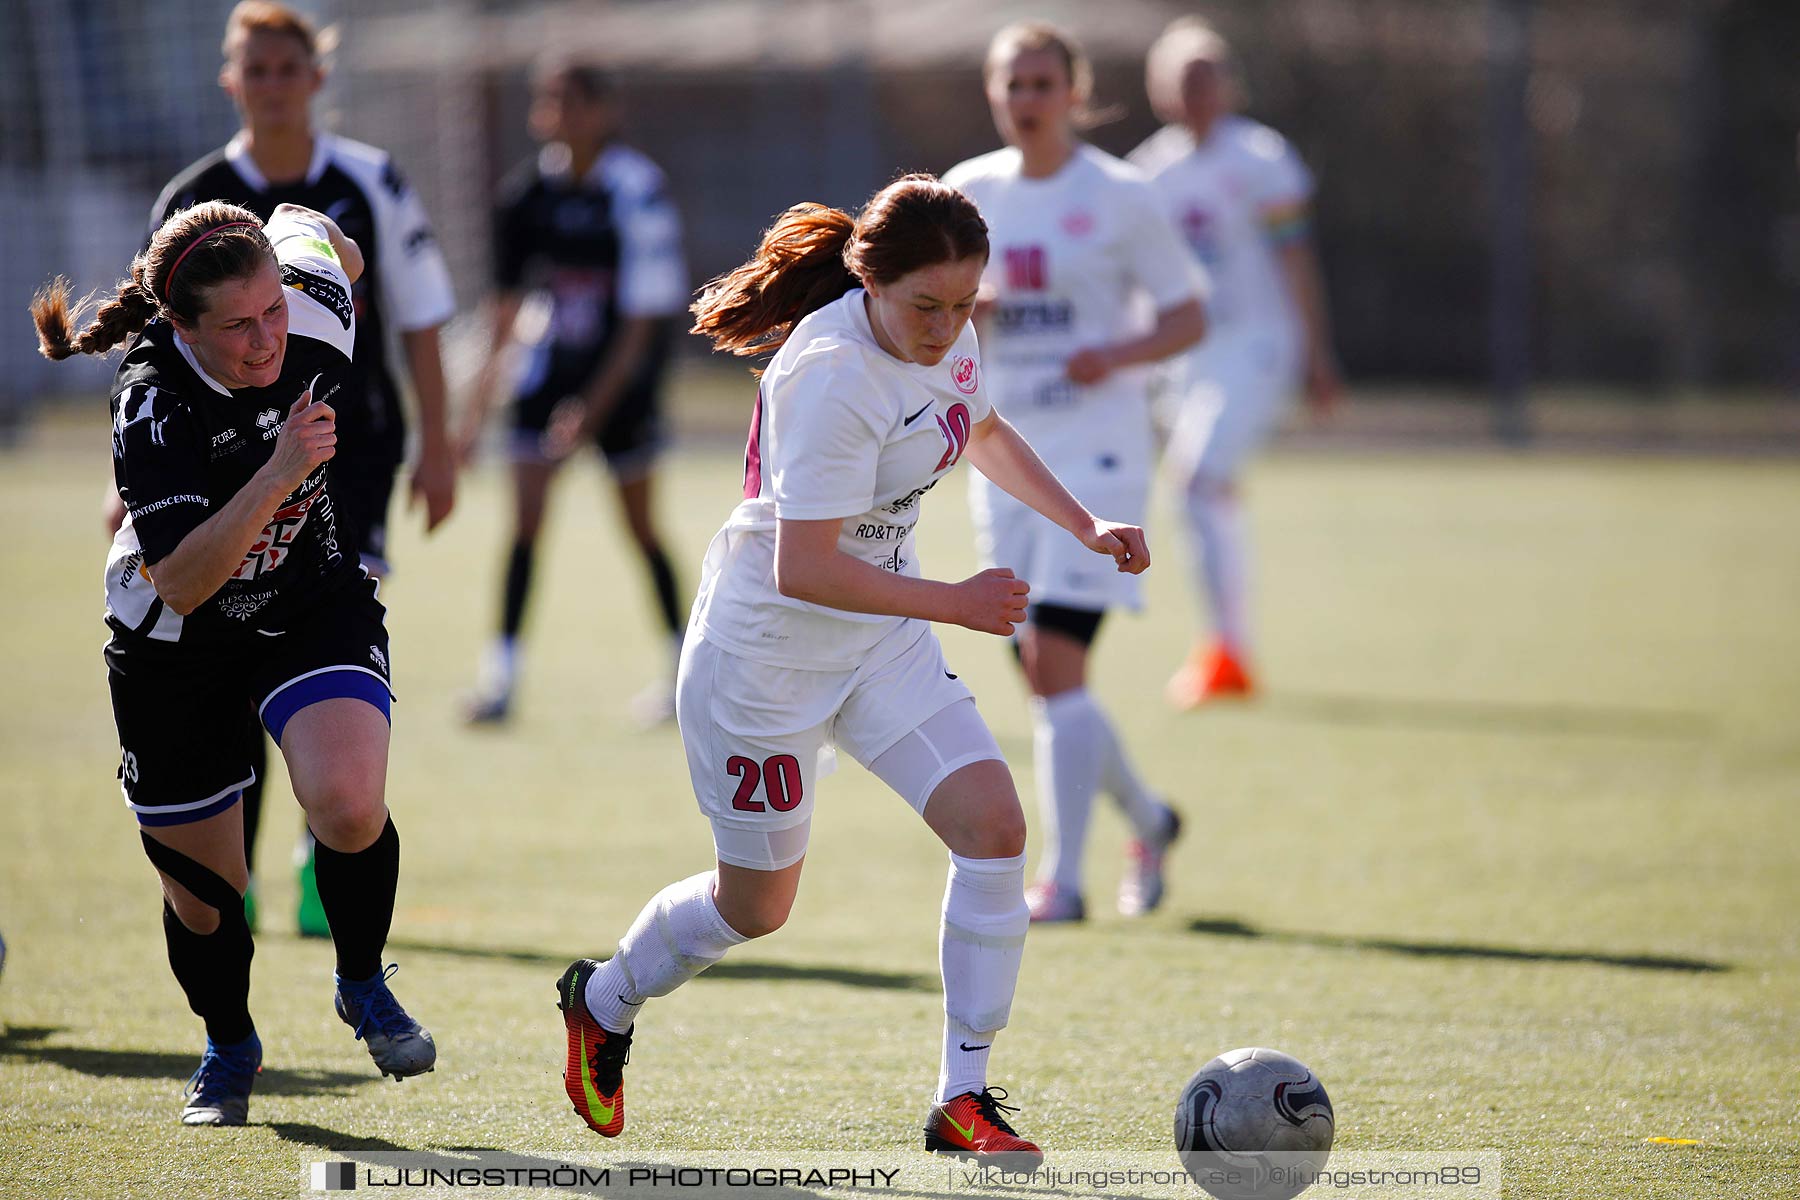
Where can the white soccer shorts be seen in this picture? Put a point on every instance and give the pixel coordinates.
(754, 735)
(1234, 389)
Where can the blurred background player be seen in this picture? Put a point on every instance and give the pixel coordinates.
(228, 589)
(812, 628)
(1077, 235)
(272, 71)
(1239, 194)
(589, 271)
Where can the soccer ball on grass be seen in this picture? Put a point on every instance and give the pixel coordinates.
(1254, 1124)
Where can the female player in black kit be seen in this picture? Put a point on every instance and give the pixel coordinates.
(588, 266)
(274, 67)
(227, 588)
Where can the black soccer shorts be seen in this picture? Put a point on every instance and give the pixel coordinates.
(633, 433)
(180, 709)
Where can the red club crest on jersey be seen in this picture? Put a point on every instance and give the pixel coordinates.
(963, 375)
(1079, 223)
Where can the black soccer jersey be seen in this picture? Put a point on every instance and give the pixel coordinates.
(404, 282)
(597, 248)
(184, 445)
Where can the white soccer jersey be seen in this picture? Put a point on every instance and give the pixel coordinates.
(1069, 254)
(1236, 199)
(842, 430)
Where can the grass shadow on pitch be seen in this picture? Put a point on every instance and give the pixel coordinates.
(322, 1138)
(730, 970)
(1489, 716)
(1639, 962)
(147, 1064)
(898, 981)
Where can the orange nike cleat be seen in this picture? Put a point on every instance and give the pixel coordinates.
(970, 1126)
(1210, 673)
(595, 1075)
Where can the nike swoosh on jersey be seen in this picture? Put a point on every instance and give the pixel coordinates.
(918, 414)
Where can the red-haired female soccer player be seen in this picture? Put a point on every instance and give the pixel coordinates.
(813, 627)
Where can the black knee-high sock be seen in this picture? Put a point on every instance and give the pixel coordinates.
(212, 968)
(668, 597)
(259, 762)
(357, 891)
(518, 585)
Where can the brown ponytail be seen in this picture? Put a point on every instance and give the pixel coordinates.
(798, 268)
(117, 318)
(195, 250)
(814, 254)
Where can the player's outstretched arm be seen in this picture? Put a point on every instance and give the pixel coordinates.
(433, 478)
(578, 419)
(1176, 329)
(349, 254)
(998, 451)
(1306, 283)
(504, 313)
(809, 566)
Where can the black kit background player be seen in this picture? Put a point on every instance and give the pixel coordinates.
(361, 189)
(228, 590)
(272, 71)
(589, 278)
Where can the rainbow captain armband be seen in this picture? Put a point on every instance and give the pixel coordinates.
(1285, 221)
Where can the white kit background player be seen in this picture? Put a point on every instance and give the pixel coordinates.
(1239, 194)
(1079, 237)
(811, 628)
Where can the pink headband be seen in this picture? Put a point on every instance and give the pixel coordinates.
(169, 283)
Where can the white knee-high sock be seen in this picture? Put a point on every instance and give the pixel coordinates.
(980, 945)
(1069, 743)
(1120, 781)
(678, 935)
(1216, 524)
